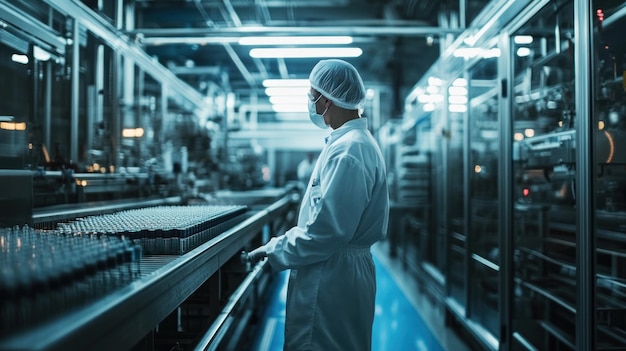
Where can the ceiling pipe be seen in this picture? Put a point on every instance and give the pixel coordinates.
(275, 3)
(261, 67)
(242, 68)
(232, 13)
(282, 68)
(197, 70)
(228, 33)
(231, 52)
(229, 49)
(203, 13)
(260, 4)
(306, 3)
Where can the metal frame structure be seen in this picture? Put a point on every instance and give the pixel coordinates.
(584, 302)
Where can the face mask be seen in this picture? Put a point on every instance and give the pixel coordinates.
(315, 117)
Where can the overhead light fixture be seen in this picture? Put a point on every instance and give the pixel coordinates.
(434, 81)
(457, 99)
(460, 82)
(41, 54)
(290, 108)
(132, 132)
(523, 52)
(283, 99)
(296, 40)
(466, 52)
(305, 52)
(273, 83)
(457, 108)
(523, 39)
(19, 58)
(287, 91)
(457, 91)
(428, 107)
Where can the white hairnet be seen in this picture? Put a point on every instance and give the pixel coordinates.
(340, 82)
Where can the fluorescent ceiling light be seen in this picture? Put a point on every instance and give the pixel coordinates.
(523, 52)
(305, 52)
(457, 99)
(523, 39)
(466, 52)
(457, 108)
(457, 91)
(430, 98)
(282, 99)
(41, 54)
(290, 108)
(431, 89)
(428, 107)
(296, 40)
(435, 81)
(19, 58)
(270, 83)
(491, 53)
(460, 82)
(287, 91)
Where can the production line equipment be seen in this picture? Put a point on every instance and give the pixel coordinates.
(164, 277)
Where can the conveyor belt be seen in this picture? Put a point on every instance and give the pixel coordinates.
(120, 319)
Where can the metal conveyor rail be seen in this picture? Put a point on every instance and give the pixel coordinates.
(119, 320)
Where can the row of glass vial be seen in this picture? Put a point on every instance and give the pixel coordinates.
(47, 273)
(156, 222)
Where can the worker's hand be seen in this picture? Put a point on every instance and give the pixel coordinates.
(257, 254)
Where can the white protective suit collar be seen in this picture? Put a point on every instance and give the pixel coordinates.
(357, 123)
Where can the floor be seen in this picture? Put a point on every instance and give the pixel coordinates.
(404, 320)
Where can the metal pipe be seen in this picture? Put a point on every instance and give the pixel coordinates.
(240, 65)
(505, 195)
(230, 34)
(45, 37)
(232, 13)
(75, 91)
(585, 171)
(214, 335)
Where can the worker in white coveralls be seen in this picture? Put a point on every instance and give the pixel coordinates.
(344, 211)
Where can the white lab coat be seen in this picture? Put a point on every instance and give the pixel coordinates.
(344, 211)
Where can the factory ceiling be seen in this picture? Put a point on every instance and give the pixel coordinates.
(198, 39)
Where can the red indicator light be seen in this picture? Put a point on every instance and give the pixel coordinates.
(525, 192)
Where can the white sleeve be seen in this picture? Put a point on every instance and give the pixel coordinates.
(332, 220)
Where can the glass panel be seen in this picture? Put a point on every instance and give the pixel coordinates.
(610, 168)
(544, 223)
(484, 148)
(414, 183)
(455, 137)
(438, 255)
(14, 105)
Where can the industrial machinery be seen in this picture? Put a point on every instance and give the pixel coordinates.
(143, 275)
(524, 245)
